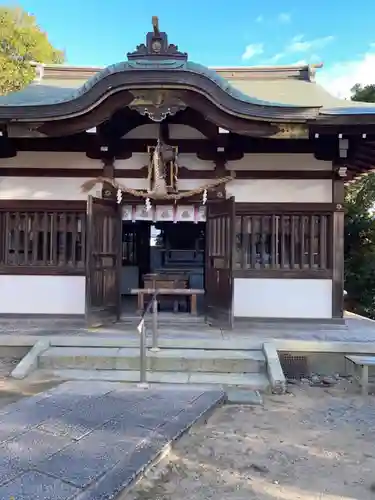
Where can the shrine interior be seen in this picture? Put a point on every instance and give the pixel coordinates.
(165, 255)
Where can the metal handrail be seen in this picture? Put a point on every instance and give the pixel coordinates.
(141, 327)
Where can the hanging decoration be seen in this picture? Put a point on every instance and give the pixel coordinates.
(148, 204)
(90, 184)
(162, 178)
(204, 199)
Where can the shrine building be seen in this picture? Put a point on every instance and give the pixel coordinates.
(158, 171)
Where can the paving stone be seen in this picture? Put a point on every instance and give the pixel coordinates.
(110, 485)
(85, 388)
(35, 486)
(9, 468)
(32, 447)
(130, 423)
(69, 426)
(18, 422)
(99, 410)
(92, 444)
(82, 462)
(122, 474)
(23, 403)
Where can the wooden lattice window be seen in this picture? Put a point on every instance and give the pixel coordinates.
(285, 242)
(43, 239)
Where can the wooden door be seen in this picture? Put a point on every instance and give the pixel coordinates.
(103, 261)
(220, 241)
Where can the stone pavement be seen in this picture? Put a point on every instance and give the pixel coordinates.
(355, 329)
(88, 441)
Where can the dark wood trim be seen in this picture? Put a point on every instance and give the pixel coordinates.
(280, 208)
(184, 173)
(40, 271)
(50, 172)
(347, 125)
(63, 317)
(319, 274)
(337, 247)
(128, 199)
(338, 191)
(283, 174)
(338, 265)
(84, 142)
(58, 205)
(254, 321)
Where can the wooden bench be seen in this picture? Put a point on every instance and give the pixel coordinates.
(362, 363)
(187, 292)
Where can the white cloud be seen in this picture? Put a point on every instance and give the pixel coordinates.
(301, 62)
(341, 77)
(259, 19)
(298, 44)
(284, 17)
(252, 50)
(276, 58)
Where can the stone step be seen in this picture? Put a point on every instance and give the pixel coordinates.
(249, 381)
(167, 318)
(165, 360)
(112, 340)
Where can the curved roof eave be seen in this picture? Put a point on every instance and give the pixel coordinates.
(38, 103)
(363, 109)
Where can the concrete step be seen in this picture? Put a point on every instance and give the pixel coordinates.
(112, 340)
(249, 381)
(165, 360)
(165, 319)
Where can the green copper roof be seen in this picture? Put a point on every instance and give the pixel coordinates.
(54, 93)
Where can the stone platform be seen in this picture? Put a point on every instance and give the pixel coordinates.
(89, 441)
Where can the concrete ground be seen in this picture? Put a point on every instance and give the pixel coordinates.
(90, 440)
(355, 329)
(311, 444)
(12, 390)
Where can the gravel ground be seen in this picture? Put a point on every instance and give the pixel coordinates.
(12, 390)
(314, 443)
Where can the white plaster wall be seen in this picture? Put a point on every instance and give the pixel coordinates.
(187, 160)
(246, 190)
(281, 190)
(176, 131)
(42, 294)
(292, 162)
(282, 298)
(44, 188)
(271, 161)
(137, 161)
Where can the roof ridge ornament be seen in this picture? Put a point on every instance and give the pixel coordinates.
(157, 46)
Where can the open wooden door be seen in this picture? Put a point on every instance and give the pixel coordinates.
(220, 241)
(103, 261)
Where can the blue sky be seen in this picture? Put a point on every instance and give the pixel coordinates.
(218, 32)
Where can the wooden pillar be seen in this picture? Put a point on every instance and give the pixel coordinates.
(337, 242)
(108, 191)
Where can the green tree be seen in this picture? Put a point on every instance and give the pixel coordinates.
(359, 246)
(363, 93)
(21, 43)
(360, 232)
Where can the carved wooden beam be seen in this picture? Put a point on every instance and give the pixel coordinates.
(196, 120)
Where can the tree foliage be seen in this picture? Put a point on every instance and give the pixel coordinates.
(363, 93)
(360, 232)
(22, 42)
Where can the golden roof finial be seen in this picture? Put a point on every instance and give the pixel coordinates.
(155, 25)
